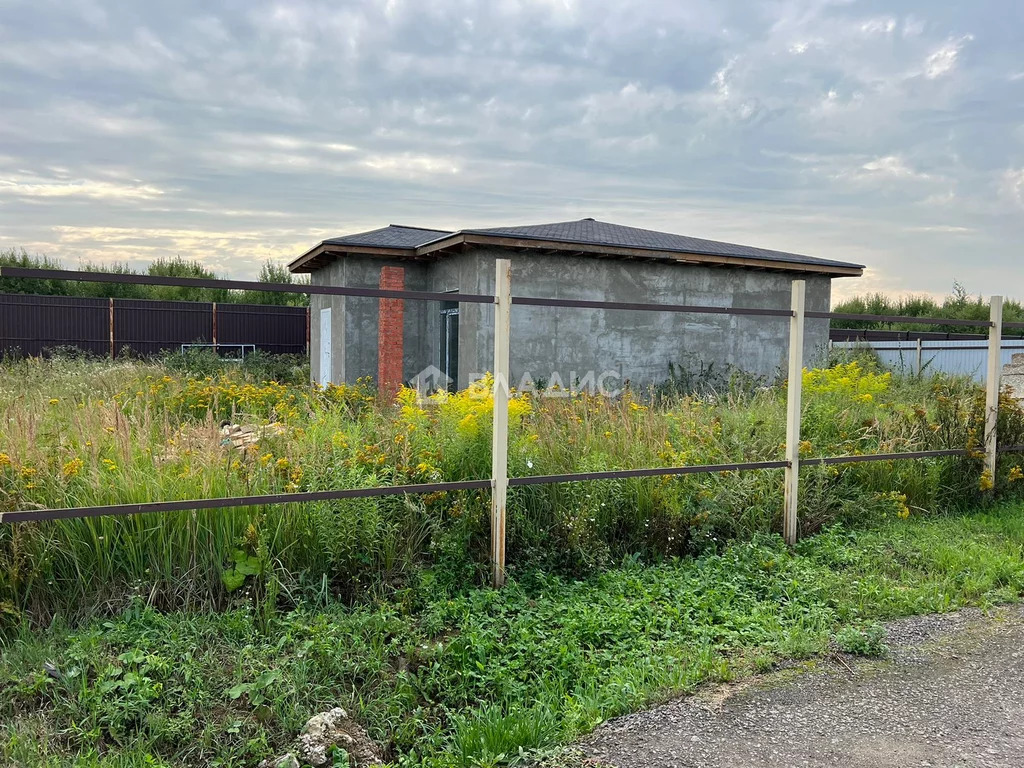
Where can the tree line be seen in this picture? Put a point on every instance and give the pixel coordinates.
(176, 267)
(958, 305)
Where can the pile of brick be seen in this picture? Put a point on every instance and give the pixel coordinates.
(238, 436)
(1013, 376)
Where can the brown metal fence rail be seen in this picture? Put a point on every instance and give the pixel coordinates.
(499, 482)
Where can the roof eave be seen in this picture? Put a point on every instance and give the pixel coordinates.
(299, 264)
(837, 269)
(322, 254)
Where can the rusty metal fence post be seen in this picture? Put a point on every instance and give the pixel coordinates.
(113, 349)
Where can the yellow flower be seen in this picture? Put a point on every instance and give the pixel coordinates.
(407, 396)
(54, 401)
(846, 379)
(73, 467)
(468, 424)
(5, 460)
(27, 472)
(283, 463)
(518, 407)
(266, 458)
(805, 447)
(986, 484)
(1016, 474)
(110, 465)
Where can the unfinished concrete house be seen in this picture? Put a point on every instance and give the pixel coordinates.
(393, 340)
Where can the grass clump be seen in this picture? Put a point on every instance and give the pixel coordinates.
(866, 640)
(470, 679)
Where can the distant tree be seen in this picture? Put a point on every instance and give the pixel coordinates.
(270, 272)
(958, 305)
(277, 273)
(109, 290)
(19, 257)
(179, 267)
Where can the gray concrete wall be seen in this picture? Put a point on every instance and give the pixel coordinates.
(565, 342)
(637, 345)
(355, 320)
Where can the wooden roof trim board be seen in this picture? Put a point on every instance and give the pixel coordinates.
(677, 256)
(315, 256)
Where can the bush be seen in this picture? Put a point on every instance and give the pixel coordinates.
(257, 366)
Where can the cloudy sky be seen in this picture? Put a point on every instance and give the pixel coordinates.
(886, 133)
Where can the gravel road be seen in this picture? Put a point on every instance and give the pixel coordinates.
(949, 693)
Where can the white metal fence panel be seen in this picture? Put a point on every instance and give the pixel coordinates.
(963, 358)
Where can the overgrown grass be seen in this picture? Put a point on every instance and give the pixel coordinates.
(470, 679)
(80, 433)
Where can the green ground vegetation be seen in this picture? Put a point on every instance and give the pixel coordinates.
(480, 677)
(210, 637)
(81, 433)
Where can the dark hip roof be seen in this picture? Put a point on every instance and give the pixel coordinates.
(585, 236)
(392, 236)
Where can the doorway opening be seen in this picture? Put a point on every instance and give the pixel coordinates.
(450, 343)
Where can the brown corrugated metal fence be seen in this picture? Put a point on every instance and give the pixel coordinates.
(31, 325)
(279, 329)
(35, 325)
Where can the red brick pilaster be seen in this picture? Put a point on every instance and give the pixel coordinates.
(391, 333)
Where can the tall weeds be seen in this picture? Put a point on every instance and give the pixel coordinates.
(81, 433)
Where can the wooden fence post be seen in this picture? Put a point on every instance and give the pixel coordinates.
(992, 382)
(793, 391)
(112, 347)
(499, 440)
(920, 356)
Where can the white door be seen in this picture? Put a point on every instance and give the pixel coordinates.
(325, 347)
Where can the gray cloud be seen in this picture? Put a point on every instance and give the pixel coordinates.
(889, 133)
